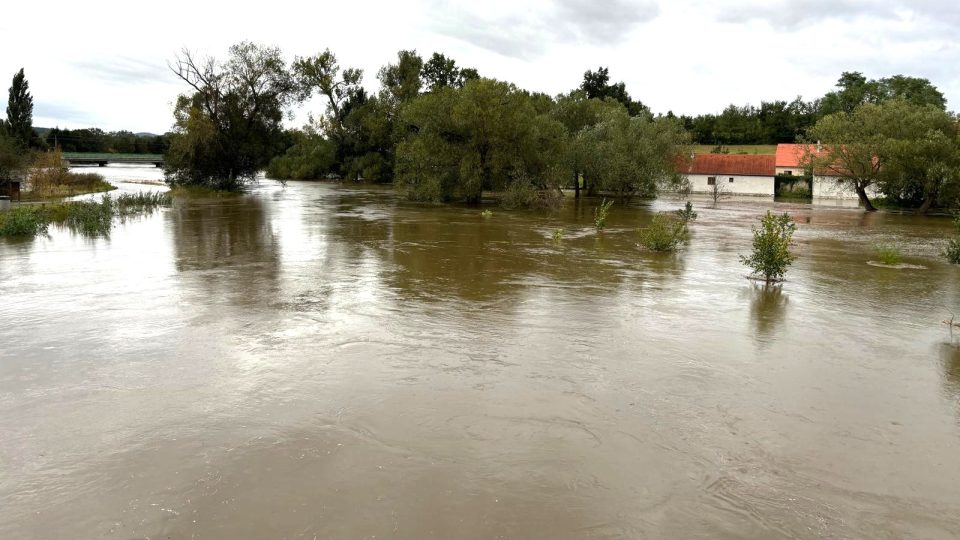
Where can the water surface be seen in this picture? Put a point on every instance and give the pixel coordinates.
(320, 361)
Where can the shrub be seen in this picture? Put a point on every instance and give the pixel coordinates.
(665, 233)
(888, 254)
(487, 213)
(557, 235)
(952, 251)
(519, 194)
(601, 213)
(23, 221)
(687, 214)
(771, 247)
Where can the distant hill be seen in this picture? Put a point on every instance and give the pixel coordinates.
(42, 132)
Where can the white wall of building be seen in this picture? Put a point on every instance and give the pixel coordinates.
(827, 187)
(741, 185)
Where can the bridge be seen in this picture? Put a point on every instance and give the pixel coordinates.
(102, 160)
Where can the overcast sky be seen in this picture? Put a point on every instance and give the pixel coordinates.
(103, 63)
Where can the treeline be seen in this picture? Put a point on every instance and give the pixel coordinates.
(778, 122)
(439, 131)
(97, 140)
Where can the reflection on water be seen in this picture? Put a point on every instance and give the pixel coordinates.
(768, 309)
(329, 361)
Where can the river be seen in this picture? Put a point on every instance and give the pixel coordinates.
(324, 361)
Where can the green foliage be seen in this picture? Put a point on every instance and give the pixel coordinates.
(12, 157)
(442, 72)
(23, 221)
(229, 127)
(484, 136)
(666, 232)
(601, 213)
(596, 85)
(686, 214)
(952, 251)
(487, 213)
(558, 235)
(631, 155)
(311, 157)
(101, 142)
(888, 254)
(19, 122)
(771, 247)
(911, 152)
(89, 218)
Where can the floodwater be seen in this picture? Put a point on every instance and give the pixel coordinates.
(322, 361)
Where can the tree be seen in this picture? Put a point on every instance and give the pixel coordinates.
(632, 155)
(19, 122)
(921, 157)
(441, 71)
(771, 247)
(910, 152)
(596, 84)
(852, 144)
(484, 136)
(853, 90)
(229, 127)
(321, 73)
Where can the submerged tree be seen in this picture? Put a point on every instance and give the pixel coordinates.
(19, 122)
(229, 127)
(632, 155)
(771, 247)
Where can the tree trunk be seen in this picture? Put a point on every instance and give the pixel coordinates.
(927, 203)
(864, 200)
(576, 184)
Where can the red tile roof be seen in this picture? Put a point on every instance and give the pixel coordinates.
(738, 164)
(793, 155)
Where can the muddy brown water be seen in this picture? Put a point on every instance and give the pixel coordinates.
(319, 362)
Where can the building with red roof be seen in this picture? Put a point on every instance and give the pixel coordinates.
(736, 174)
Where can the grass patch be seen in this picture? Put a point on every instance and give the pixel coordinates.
(23, 221)
(89, 218)
(888, 254)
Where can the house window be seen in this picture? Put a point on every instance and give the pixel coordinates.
(711, 180)
(789, 173)
(731, 179)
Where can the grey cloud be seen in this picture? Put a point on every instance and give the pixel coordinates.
(795, 13)
(125, 71)
(787, 14)
(62, 112)
(582, 21)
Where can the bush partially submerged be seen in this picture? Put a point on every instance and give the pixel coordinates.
(888, 254)
(23, 221)
(601, 213)
(665, 233)
(771, 247)
(668, 231)
(89, 218)
(952, 251)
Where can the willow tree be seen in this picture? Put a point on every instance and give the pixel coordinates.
(484, 136)
(909, 152)
(633, 155)
(230, 125)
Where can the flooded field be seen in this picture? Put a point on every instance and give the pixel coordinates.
(318, 361)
